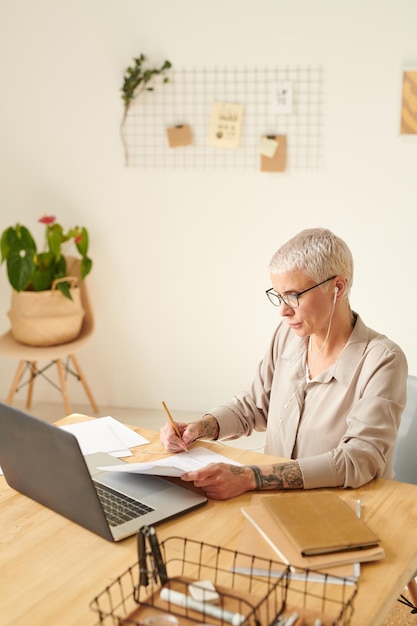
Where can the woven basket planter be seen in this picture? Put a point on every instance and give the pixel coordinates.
(46, 318)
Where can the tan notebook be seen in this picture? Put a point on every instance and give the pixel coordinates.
(286, 551)
(319, 522)
(259, 563)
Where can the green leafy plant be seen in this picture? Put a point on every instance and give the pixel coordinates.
(30, 270)
(136, 79)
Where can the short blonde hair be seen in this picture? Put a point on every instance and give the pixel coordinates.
(316, 251)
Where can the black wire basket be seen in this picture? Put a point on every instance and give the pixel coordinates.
(249, 590)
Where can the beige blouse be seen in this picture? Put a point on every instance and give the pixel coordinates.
(342, 425)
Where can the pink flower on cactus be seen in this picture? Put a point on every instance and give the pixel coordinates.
(78, 238)
(47, 219)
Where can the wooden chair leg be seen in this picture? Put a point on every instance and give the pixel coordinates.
(412, 588)
(64, 388)
(84, 383)
(33, 366)
(15, 382)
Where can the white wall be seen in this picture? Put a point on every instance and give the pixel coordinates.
(181, 256)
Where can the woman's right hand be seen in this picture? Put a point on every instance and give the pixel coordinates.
(205, 428)
(173, 443)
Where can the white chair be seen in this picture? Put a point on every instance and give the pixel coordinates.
(63, 355)
(405, 456)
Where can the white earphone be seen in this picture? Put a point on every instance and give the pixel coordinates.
(336, 291)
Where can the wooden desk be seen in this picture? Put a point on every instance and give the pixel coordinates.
(51, 569)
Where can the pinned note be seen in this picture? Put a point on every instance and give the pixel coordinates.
(179, 136)
(268, 146)
(409, 103)
(225, 125)
(273, 152)
(282, 98)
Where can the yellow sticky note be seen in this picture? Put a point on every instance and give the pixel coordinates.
(268, 146)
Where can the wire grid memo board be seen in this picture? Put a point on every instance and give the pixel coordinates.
(187, 99)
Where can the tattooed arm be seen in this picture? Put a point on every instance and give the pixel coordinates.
(278, 476)
(221, 481)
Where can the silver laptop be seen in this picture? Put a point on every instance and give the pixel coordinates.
(45, 463)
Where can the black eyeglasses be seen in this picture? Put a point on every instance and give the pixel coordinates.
(291, 299)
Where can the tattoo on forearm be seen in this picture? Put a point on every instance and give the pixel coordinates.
(283, 476)
(258, 477)
(208, 428)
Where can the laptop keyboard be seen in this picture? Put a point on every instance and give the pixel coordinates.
(119, 508)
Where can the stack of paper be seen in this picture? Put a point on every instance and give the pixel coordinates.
(105, 434)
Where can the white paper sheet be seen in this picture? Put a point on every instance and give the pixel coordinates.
(174, 465)
(105, 434)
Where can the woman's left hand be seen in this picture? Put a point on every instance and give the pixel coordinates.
(221, 481)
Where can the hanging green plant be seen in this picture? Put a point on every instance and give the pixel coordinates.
(136, 79)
